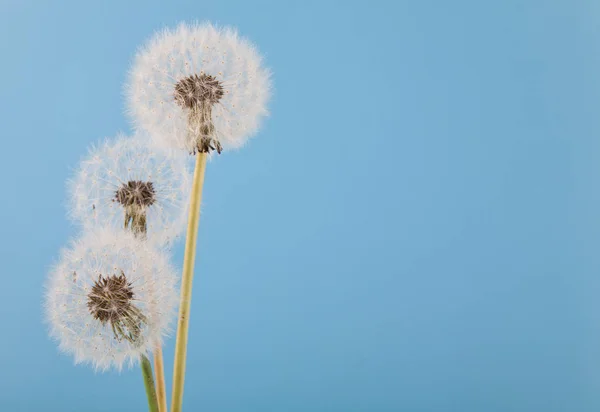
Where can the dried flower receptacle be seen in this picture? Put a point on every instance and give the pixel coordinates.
(198, 94)
(110, 300)
(136, 196)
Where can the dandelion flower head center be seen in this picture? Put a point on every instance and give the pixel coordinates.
(109, 298)
(198, 90)
(110, 301)
(198, 94)
(136, 193)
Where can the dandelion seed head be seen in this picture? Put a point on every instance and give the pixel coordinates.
(126, 179)
(110, 298)
(198, 88)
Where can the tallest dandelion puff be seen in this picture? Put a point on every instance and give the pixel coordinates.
(198, 88)
(201, 89)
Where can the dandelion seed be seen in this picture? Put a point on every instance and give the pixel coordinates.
(110, 299)
(124, 183)
(198, 88)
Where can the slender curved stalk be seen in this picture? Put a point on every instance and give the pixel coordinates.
(186, 284)
(159, 393)
(149, 384)
(159, 371)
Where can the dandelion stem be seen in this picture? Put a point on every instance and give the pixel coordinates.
(186, 284)
(149, 384)
(157, 396)
(159, 370)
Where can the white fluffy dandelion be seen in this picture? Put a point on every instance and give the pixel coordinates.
(198, 88)
(110, 299)
(125, 183)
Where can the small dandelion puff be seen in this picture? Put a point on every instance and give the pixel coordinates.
(127, 184)
(110, 299)
(198, 88)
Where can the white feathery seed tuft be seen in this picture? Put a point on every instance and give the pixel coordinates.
(211, 66)
(125, 178)
(110, 299)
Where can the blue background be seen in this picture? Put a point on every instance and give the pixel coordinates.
(415, 228)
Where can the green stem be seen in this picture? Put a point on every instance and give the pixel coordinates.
(149, 384)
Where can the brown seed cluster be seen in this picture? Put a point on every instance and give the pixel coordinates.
(136, 193)
(110, 301)
(198, 94)
(109, 298)
(197, 90)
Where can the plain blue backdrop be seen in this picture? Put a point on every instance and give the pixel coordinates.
(416, 228)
